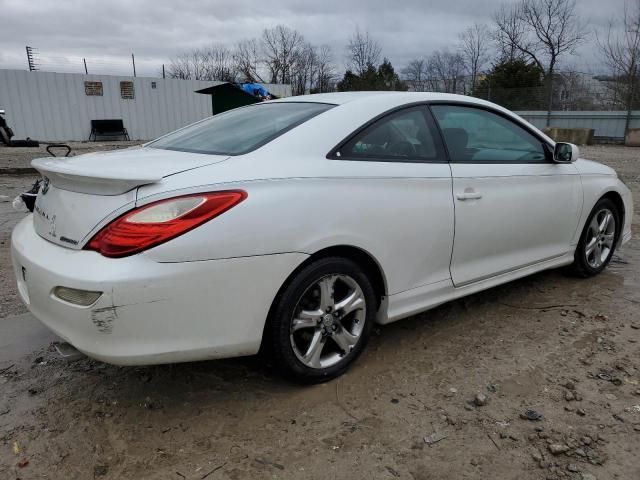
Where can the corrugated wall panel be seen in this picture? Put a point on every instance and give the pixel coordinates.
(17, 122)
(50, 106)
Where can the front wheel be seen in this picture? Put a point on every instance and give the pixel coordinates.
(321, 320)
(598, 240)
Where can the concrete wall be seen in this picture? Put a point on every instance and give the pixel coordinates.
(604, 124)
(50, 106)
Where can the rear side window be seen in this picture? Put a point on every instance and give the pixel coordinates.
(403, 136)
(476, 135)
(241, 130)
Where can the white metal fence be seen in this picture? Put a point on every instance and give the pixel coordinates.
(605, 124)
(50, 106)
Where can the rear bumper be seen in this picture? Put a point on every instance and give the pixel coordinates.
(149, 312)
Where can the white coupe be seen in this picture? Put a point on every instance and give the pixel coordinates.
(292, 226)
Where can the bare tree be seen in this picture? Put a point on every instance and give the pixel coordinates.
(542, 31)
(445, 71)
(221, 63)
(325, 69)
(312, 70)
(211, 63)
(281, 53)
(415, 74)
(474, 48)
(189, 66)
(621, 52)
(248, 60)
(509, 32)
(362, 51)
(281, 47)
(303, 69)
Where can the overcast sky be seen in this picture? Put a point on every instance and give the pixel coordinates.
(107, 32)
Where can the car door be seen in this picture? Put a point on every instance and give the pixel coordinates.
(514, 206)
(402, 161)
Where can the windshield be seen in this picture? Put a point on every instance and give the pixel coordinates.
(241, 130)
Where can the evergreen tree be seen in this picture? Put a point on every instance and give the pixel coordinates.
(382, 78)
(513, 83)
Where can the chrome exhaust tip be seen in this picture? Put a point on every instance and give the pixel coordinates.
(68, 351)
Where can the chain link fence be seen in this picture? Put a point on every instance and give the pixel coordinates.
(571, 91)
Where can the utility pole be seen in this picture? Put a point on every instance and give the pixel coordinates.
(85, 66)
(133, 60)
(163, 71)
(549, 97)
(31, 52)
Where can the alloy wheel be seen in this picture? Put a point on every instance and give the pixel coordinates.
(328, 321)
(600, 237)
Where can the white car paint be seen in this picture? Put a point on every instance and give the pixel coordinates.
(499, 233)
(150, 312)
(206, 293)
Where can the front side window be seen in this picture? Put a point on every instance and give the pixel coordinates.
(407, 135)
(477, 135)
(241, 130)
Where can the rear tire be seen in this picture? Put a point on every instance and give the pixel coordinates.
(321, 320)
(598, 240)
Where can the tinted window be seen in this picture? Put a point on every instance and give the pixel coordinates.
(401, 136)
(477, 135)
(240, 130)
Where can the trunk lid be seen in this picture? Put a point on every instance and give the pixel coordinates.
(117, 172)
(81, 194)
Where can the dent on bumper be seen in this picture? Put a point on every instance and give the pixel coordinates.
(150, 312)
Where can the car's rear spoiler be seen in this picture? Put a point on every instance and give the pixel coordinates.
(96, 179)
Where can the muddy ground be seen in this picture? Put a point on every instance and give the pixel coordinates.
(436, 396)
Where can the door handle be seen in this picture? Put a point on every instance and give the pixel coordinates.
(468, 196)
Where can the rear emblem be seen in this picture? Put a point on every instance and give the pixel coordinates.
(45, 185)
(52, 227)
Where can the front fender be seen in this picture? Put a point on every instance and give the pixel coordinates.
(596, 186)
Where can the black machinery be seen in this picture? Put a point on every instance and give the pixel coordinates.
(29, 197)
(6, 134)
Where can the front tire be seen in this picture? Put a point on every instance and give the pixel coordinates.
(598, 240)
(321, 320)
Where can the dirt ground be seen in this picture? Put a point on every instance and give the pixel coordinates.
(21, 157)
(436, 396)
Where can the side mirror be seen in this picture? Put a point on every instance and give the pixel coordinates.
(565, 153)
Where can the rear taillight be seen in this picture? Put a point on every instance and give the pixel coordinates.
(157, 222)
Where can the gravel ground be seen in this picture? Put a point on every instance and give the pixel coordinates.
(21, 157)
(436, 396)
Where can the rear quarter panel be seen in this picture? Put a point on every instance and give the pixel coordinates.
(300, 201)
(406, 224)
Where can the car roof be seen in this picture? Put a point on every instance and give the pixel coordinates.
(385, 100)
(341, 98)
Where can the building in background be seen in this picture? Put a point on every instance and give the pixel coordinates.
(48, 106)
